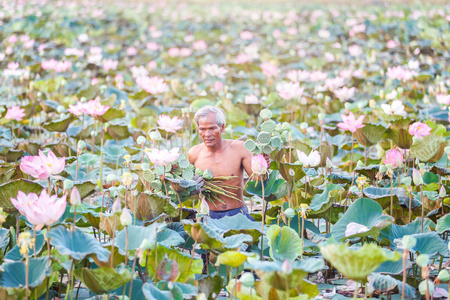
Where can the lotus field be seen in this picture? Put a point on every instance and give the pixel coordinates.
(98, 199)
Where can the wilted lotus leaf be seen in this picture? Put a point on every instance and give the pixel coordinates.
(104, 279)
(441, 171)
(110, 224)
(383, 196)
(10, 155)
(289, 171)
(168, 270)
(370, 134)
(399, 133)
(369, 171)
(148, 206)
(386, 283)
(111, 114)
(60, 125)
(118, 132)
(429, 148)
(11, 189)
(357, 264)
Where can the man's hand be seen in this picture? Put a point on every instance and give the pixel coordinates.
(200, 182)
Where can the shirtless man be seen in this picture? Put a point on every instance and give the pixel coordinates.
(222, 158)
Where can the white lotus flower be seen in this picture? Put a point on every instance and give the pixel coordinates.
(355, 228)
(311, 160)
(396, 108)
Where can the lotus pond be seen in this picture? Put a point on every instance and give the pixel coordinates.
(97, 106)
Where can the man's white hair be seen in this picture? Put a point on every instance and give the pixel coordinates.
(208, 109)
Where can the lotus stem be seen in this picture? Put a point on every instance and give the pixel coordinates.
(181, 206)
(69, 281)
(49, 190)
(303, 225)
(49, 257)
(235, 283)
(392, 196)
(74, 217)
(126, 245)
(132, 276)
(423, 208)
(351, 160)
(405, 255)
(192, 258)
(263, 220)
(102, 132)
(113, 236)
(34, 237)
(77, 165)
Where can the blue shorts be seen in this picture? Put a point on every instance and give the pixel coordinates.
(231, 212)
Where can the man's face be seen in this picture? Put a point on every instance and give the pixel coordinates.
(209, 131)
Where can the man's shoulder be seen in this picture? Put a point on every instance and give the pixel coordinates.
(194, 152)
(238, 144)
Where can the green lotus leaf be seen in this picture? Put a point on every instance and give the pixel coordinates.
(169, 238)
(13, 274)
(111, 114)
(429, 148)
(77, 244)
(10, 155)
(183, 261)
(286, 169)
(441, 171)
(271, 271)
(14, 253)
(443, 224)
(188, 291)
(394, 231)
(393, 267)
(118, 132)
(383, 196)
(137, 234)
(341, 178)
(322, 202)
(104, 279)
(85, 188)
(357, 264)
(386, 283)
(136, 292)
(399, 134)
(148, 206)
(11, 189)
(430, 243)
(368, 171)
(274, 188)
(60, 125)
(370, 134)
(210, 284)
(4, 238)
(204, 235)
(151, 292)
(229, 226)
(232, 258)
(365, 212)
(284, 243)
(50, 85)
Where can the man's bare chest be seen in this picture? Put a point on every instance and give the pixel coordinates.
(220, 165)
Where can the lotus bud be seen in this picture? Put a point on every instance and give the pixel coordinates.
(329, 163)
(321, 116)
(286, 268)
(417, 177)
(383, 168)
(303, 126)
(111, 178)
(125, 217)
(327, 98)
(247, 279)
(75, 197)
(360, 164)
(447, 150)
(442, 192)
(116, 206)
(81, 145)
(347, 106)
(60, 109)
(409, 242)
(290, 213)
(204, 207)
(361, 104)
(286, 126)
(127, 179)
(422, 260)
(406, 181)
(443, 276)
(423, 287)
(155, 135)
(68, 184)
(145, 245)
(372, 103)
(202, 296)
(2, 217)
(140, 140)
(319, 96)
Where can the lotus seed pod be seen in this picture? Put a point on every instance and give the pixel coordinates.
(267, 149)
(148, 175)
(188, 174)
(275, 142)
(184, 163)
(372, 103)
(207, 174)
(278, 128)
(320, 96)
(327, 98)
(198, 172)
(290, 213)
(258, 150)
(303, 126)
(111, 178)
(409, 242)
(250, 145)
(263, 138)
(442, 192)
(81, 145)
(156, 185)
(286, 126)
(443, 276)
(422, 260)
(155, 135)
(145, 166)
(247, 279)
(265, 114)
(423, 287)
(68, 184)
(268, 126)
(141, 139)
(125, 217)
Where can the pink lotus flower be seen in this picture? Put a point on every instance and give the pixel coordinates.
(400, 73)
(185, 52)
(131, 51)
(298, 75)
(269, 69)
(251, 99)
(169, 124)
(173, 52)
(344, 93)
(218, 86)
(110, 64)
(355, 50)
(289, 90)
(215, 70)
(350, 123)
(394, 157)
(163, 157)
(152, 46)
(391, 44)
(259, 164)
(199, 45)
(152, 85)
(419, 130)
(94, 108)
(77, 109)
(42, 210)
(396, 108)
(242, 59)
(34, 166)
(246, 35)
(15, 113)
(57, 66)
(443, 99)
